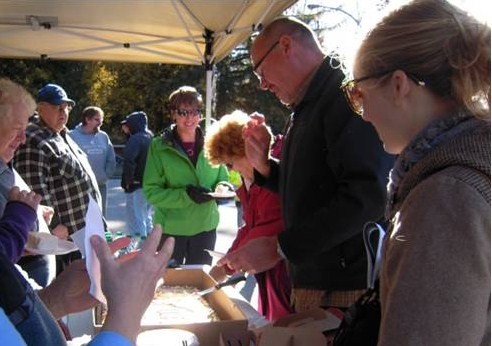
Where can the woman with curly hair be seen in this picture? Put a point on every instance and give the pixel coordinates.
(224, 144)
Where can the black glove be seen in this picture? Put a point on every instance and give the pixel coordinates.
(198, 194)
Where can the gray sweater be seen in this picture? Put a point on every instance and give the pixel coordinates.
(99, 150)
(435, 278)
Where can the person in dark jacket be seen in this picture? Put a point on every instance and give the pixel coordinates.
(331, 176)
(138, 211)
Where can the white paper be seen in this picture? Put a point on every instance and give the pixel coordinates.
(21, 184)
(93, 226)
(79, 240)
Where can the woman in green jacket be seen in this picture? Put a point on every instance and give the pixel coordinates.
(178, 178)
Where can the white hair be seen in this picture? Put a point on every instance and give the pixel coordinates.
(12, 93)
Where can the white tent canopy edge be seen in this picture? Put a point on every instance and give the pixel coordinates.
(194, 32)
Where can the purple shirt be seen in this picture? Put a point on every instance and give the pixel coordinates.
(17, 220)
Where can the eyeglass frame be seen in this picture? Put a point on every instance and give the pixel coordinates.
(186, 112)
(263, 58)
(351, 84)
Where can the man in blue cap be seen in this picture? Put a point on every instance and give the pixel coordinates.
(55, 167)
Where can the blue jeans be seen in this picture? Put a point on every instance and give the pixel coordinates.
(40, 328)
(138, 213)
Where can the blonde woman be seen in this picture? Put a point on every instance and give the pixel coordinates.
(422, 78)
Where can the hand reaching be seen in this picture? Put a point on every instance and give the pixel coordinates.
(256, 256)
(129, 286)
(218, 273)
(69, 292)
(257, 141)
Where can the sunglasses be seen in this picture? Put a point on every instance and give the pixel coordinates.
(353, 94)
(186, 112)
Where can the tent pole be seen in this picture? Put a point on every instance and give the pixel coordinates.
(209, 68)
(208, 100)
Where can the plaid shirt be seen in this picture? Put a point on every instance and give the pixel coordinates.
(57, 169)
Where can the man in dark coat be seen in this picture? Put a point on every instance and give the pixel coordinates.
(331, 177)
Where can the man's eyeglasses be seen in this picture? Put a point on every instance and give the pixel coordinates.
(185, 112)
(353, 93)
(262, 59)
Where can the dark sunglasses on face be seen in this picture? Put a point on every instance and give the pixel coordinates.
(186, 112)
(353, 95)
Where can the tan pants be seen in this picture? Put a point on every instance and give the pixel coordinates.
(303, 299)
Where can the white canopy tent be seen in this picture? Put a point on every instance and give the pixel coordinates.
(194, 32)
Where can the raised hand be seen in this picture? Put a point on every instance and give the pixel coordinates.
(257, 141)
(130, 286)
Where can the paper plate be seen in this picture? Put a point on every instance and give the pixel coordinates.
(225, 194)
(168, 337)
(63, 247)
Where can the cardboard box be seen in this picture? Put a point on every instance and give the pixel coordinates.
(232, 329)
(298, 329)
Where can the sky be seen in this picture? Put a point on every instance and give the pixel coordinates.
(345, 32)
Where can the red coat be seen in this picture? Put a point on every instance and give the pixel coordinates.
(262, 217)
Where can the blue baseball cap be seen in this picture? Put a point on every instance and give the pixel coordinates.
(54, 94)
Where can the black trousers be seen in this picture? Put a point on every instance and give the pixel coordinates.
(190, 249)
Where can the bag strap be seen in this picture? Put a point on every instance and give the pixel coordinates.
(373, 254)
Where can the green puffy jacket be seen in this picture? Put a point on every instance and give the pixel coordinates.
(167, 172)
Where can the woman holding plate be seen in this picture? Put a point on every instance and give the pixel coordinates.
(178, 180)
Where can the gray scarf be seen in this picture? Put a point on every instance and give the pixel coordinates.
(436, 133)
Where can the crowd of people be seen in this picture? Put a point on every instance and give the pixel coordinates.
(401, 137)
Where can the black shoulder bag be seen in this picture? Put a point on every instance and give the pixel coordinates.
(360, 324)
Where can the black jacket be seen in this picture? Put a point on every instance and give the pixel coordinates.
(135, 153)
(332, 179)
